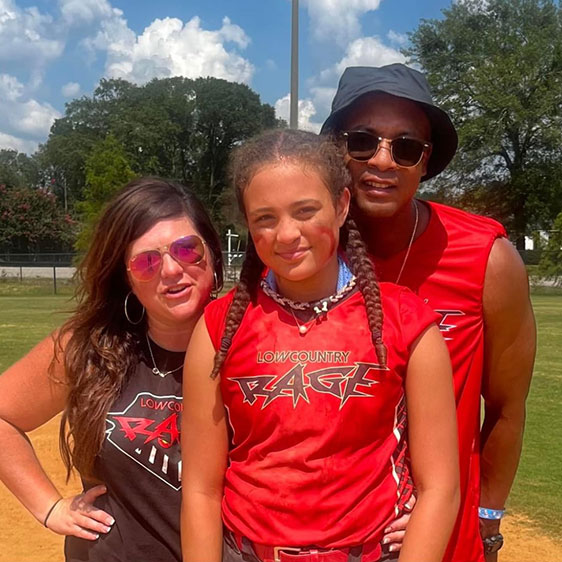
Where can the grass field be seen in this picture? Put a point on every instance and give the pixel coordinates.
(25, 320)
(34, 287)
(537, 493)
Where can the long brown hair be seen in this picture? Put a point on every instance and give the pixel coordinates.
(101, 348)
(325, 157)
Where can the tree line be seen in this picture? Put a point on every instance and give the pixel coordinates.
(178, 128)
(494, 65)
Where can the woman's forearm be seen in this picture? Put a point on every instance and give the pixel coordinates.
(22, 473)
(430, 526)
(201, 527)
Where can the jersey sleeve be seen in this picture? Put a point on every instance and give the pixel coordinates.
(215, 317)
(415, 316)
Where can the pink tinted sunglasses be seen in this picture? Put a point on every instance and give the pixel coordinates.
(188, 250)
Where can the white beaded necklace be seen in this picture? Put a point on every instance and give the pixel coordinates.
(318, 307)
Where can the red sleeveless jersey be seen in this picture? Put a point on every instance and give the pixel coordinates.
(446, 268)
(317, 454)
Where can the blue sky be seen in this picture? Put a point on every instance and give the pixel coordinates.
(52, 51)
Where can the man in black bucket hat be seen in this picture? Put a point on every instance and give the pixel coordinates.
(461, 264)
(400, 81)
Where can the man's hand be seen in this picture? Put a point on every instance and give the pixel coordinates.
(489, 528)
(394, 533)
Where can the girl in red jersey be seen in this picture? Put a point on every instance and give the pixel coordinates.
(296, 385)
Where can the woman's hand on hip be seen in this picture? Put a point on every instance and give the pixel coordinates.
(77, 516)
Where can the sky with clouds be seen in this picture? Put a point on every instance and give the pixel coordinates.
(52, 51)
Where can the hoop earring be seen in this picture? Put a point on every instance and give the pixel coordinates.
(216, 289)
(125, 305)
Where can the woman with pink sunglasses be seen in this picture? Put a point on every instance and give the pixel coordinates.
(115, 371)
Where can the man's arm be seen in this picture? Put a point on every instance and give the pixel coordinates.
(510, 343)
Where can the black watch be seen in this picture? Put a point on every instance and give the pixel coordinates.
(492, 544)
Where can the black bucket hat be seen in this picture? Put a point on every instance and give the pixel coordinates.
(403, 82)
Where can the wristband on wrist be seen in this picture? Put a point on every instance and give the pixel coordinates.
(487, 513)
(49, 513)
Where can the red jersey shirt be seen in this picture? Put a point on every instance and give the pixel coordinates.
(318, 455)
(446, 268)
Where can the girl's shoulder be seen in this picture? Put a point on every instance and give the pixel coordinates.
(215, 315)
(220, 304)
(399, 296)
(406, 310)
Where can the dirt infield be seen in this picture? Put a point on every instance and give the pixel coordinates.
(22, 539)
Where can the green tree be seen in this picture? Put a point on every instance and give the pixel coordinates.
(155, 125)
(226, 113)
(107, 170)
(17, 169)
(496, 67)
(550, 265)
(31, 221)
(174, 127)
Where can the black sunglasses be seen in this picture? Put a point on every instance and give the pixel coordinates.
(405, 151)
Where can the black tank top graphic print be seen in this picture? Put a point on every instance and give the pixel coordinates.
(140, 463)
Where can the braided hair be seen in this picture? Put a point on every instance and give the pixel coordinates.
(363, 269)
(325, 157)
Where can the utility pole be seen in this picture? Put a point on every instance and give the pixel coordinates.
(294, 96)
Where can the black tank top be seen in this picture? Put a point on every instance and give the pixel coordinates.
(140, 463)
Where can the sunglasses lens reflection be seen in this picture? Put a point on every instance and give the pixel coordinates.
(361, 145)
(146, 265)
(189, 249)
(407, 152)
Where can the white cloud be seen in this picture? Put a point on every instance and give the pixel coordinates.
(21, 115)
(15, 143)
(32, 117)
(365, 51)
(168, 47)
(70, 90)
(395, 38)
(82, 12)
(475, 6)
(338, 20)
(29, 41)
(306, 111)
(28, 36)
(322, 97)
(10, 88)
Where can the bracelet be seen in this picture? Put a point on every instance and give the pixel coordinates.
(492, 544)
(49, 513)
(487, 513)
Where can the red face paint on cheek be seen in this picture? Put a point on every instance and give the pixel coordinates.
(263, 245)
(329, 237)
